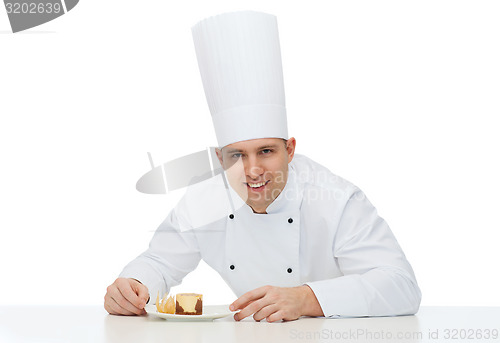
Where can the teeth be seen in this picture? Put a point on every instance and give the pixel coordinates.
(256, 185)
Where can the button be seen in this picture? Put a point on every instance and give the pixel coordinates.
(289, 270)
(290, 220)
(231, 267)
(231, 216)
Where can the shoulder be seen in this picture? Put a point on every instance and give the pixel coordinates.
(313, 176)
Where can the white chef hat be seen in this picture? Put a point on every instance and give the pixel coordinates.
(240, 64)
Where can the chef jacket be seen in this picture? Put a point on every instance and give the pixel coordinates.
(320, 231)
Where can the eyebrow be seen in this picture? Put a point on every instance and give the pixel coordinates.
(274, 146)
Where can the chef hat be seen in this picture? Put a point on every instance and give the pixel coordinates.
(240, 64)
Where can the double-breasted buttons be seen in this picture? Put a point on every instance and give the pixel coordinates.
(290, 220)
(231, 267)
(231, 216)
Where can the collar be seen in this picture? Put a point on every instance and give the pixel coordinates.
(290, 197)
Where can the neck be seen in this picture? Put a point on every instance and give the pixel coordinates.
(259, 211)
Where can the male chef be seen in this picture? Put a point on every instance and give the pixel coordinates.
(289, 237)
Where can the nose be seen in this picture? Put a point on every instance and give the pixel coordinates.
(253, 169)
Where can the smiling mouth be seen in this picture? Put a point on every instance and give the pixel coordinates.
(256, 186)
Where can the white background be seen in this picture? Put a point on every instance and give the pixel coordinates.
(398, 97)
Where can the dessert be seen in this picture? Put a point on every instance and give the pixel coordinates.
(185, 303)
(189, 303)
(165, 305)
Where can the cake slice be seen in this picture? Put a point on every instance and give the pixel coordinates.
(189, 303)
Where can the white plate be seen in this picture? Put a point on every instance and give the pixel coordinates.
(210, 312)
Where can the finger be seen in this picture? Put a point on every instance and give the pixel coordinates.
(142, 292)
(119, 309)
(281, 315)
(121, 299)
(248, 297)
(246, 305)
(251, 308)
(115, 294)
(265, 312)
(114, 308)
(129, 294)
(108, 309)
(274, 317)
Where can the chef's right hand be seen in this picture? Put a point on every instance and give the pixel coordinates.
(127, 297)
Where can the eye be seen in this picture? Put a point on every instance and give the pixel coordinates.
(266, 151)
(236, 155)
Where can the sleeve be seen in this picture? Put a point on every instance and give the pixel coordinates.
(377, 278)
(173, 252)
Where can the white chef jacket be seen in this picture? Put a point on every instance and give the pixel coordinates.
(321, 231)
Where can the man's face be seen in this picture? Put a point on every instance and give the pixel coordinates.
(257, 169)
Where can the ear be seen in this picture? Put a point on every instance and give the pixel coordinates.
(290, 148)
(219, 156)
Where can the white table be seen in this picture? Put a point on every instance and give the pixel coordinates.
(93, 324)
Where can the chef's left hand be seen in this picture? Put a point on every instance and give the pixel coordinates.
(277, 303)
